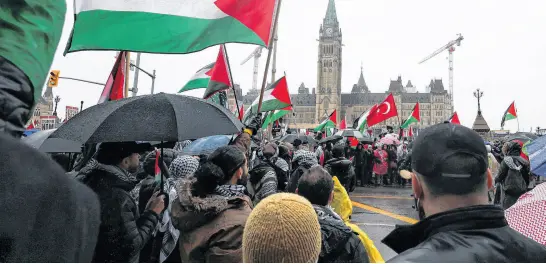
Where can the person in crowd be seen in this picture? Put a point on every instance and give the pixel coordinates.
(212, 208)
(283, 228)
(179, 146)
(369, 162)
(302, 161)
(380, 166)
(342, 168)
(513, 174)
(320, 150)
(339, 242)
(328, 151)
(124, 231)
(450, 177)
(360, 164)
(285, 153)
(265, 175)
(393, 164)
(402, 154)
(46, 216)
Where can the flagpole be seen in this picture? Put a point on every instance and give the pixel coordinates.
(127, 71)
(231, 80)
(517, 119)
(269, 51)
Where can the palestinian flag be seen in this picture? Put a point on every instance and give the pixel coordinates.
(241, 112)
(220, 80)
(454, 119)
(509, 114)
(329, 122)
(361, 122)
(413, 118)
(114, 89)
(199, 80)
(343, 124)
(157, 170)
(276, 96)
(181, 26)
(274, 116)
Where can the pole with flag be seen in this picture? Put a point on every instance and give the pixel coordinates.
(414, 117)
(127, 67)
(382, 112)
(509, 114)
(116, 83)
(454, 118)
(329, 122)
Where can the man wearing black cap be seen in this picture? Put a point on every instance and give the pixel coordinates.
(124, 231)
(451, 177)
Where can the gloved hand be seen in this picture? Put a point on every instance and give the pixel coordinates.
(254, 124)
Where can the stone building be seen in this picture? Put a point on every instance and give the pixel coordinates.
(44, 108)
(311, 106)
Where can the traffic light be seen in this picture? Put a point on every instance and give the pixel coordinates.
(53, 78)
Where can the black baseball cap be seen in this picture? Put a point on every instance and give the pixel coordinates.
(436, 146)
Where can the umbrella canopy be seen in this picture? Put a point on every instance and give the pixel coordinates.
(41, 140)
(158, 117)
(389, 139)
(527, 214)
(536, 151)
(305, 139)
(356, 134)
(206, 145)
(332, 139)
(30, 132)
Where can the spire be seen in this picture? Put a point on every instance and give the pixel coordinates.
(361, 81)
(331, 15)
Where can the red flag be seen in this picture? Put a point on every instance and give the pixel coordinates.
(115, 85)
(454, 119)
(241, 112)
(353, 141)
(31, 126)
(220, 79)
(333, 117)
(410, 134)
(157, 170)
(383, 111)
(343, 124)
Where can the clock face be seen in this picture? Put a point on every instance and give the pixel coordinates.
(329, 31)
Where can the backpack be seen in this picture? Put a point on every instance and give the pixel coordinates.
(514, 184)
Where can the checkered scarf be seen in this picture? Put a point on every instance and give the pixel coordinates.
(179, 146)
(305, 158)
(183, 167)
(230, 190)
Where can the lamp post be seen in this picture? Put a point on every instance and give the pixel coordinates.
(478, 94)
(81, 106)
(57, 100)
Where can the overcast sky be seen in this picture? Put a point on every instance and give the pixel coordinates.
(503, 54)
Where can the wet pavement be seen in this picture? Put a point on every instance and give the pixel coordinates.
(378, 210)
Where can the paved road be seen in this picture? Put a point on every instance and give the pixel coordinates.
(377, 210)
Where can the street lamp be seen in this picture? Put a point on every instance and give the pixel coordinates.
(57, 100)
(478, 94)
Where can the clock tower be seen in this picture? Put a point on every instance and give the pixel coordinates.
(329, 65)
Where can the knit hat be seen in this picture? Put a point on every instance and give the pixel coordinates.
(294, 237)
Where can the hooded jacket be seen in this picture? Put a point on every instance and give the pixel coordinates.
(211, 228)
(339, 243)
(470, 234)
(303, 161)
(340, 167)
(46, 216)
(123, 230)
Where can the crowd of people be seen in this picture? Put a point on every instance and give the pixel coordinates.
(273, 203)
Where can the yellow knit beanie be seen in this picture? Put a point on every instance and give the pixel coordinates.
(282, 228)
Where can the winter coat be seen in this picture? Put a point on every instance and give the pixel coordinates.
(342, 168)
(359, 159)
(262, 181)
(470, 234)
(303, 161)
(339, 243)
(211, 227)
(123, 230)
(514, 177)
(380, 167)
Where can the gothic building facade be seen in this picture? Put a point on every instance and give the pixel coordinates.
(313, 105)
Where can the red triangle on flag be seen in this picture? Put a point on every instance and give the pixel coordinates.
(241, 112)
(31, 126)
(333, 117)
(157, 170)
(280, 91)
(257, 15)
(114, 89)
(220, 79)
(416, 113)
(455, 119)
(383, 111)
(343, 124)
(512, 110)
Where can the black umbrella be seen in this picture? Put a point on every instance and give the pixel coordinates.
(41, 140)
(356, 134)
(158, 117)
(332, 139)
(304, 139)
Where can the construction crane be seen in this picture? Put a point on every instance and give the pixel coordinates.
(256, 54)
(450, 46)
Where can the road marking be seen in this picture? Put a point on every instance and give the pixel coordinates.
(374, 224)
(381, 197)
(386, 213)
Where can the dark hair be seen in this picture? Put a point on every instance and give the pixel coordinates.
(217, 170)
(439, 185)
(316, 185)
(338, 151)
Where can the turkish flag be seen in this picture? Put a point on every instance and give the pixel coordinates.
(383, 111)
